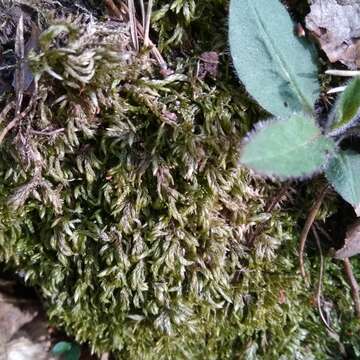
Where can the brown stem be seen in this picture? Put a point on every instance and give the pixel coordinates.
(114, 9)
(353, 284)
(320, 285)
(124, 11)
(309, 221)
(8, 127)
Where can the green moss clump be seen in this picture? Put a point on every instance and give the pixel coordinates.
(123, 202)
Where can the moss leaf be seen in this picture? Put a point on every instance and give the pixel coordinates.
(348, 105)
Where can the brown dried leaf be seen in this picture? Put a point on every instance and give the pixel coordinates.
(352, 243)
(335, 23)
(209, 62)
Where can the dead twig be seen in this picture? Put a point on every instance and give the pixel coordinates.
(16, 119)
(353, 284)
(10, 126)
(122, 11)
(114, 9)
(6, 110)
(308, 224)
(320, 285)
(268, 208)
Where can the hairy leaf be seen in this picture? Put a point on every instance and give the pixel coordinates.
(290, 148)
(276, 66)
(343, 173)
(348, 105)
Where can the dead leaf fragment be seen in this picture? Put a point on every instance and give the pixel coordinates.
(352, 243)
(208, 65)
(335, 23)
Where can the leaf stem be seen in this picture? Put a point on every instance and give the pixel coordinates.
(308, 224)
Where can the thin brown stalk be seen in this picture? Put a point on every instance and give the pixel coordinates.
(353, 284)
(113, 8)
(124, 11)
(320, 284)
(308, 224)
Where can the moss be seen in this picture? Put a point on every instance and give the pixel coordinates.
(123, 202)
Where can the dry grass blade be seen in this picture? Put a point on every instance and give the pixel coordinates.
(309, 222)
(142, 9)
(122, 11)
(336, 90)
(20, 71)
(343, 72)
(133, 28)
(147, 24)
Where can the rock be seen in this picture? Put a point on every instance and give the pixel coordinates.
(23, 330)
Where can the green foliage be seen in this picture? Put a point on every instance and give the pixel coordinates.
(276, 67)
(123, 203)
(348, 105)
(67, 350)
(291, 148)
(343, 173)
(294, 147)
(190, 22)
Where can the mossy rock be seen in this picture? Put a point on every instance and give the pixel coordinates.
(123, 202)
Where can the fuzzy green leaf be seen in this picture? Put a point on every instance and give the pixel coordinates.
(277, 68)
(348, 105)
(291, 148)
(343, 173)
